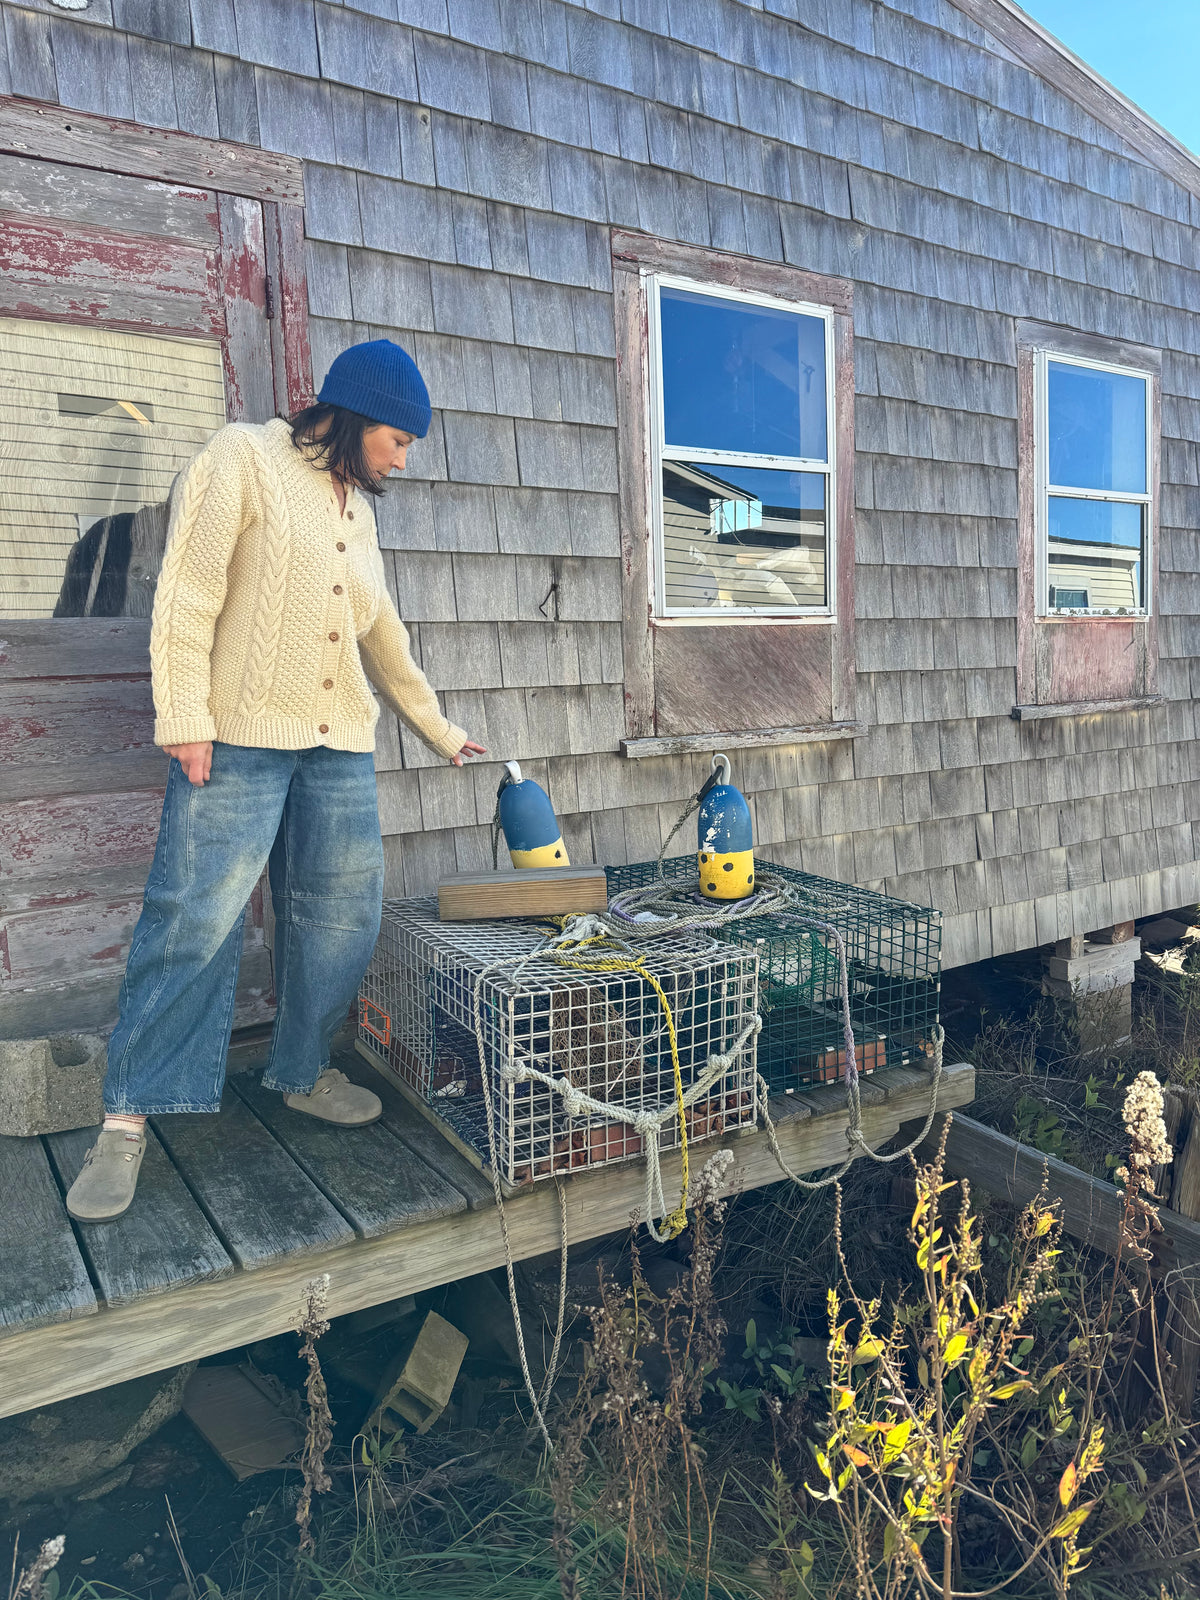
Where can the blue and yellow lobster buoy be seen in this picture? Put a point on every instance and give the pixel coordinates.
(531, 829)
(725, 837)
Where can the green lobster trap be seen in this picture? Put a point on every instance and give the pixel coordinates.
(893, 973)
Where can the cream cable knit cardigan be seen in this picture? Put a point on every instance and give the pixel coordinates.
(272, 609)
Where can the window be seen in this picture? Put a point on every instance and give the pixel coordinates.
(735, 451)
(743, 435)
(1094, 435)
(127, 411)
(1088, 427)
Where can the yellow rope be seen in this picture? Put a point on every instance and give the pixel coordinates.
(674, 1223)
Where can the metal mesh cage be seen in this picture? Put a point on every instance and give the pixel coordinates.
(604, 1031)
(893, 954)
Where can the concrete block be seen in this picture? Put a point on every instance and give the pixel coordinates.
(418, 1383)
(50, 1085)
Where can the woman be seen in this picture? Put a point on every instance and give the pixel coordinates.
(271, 613)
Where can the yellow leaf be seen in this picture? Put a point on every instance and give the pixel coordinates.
(1007, 1390)
(845, 1398)
(895, 1441)
(923, 1372)
(1067, 1485)
(954, 1350)
(867, 1349)
(1072, 1522)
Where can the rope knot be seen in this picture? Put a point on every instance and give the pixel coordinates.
(573, 1100)
(646, 1123)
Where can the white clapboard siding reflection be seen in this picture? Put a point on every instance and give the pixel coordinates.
(62, 469)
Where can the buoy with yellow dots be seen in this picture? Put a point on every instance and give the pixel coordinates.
(530, 827)
(725, 837)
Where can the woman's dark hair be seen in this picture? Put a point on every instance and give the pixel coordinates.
(332, 438)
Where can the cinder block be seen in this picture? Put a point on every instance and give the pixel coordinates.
(418, 1383)
(50, 1085)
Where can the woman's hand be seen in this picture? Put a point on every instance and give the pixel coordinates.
(195, 759)
(468, 750)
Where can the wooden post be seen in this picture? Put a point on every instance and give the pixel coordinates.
(1181, 1337)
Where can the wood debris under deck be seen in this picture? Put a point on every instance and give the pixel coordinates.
(236, 1212)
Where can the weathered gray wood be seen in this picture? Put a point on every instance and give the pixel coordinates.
(633, 473)
(1047, 57)
(81, 139)
(42, 1275)
(746, 739)
(1091, 1208)
(1085, 708)
(415, 1132)
(47, 1365)
(738, 271)
(263, 1206)
(136, 205)
(75, 647)
(375, 1181)
(162, 1242)
(246, 351)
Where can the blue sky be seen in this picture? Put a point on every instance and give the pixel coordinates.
(1149, 49)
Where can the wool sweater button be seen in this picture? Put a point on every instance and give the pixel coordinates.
(340, 545)
(324, 728)
(349, 516)
(328, 684)
(333, 638)
(337, 588)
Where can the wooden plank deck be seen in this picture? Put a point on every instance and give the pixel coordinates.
(248, 1206)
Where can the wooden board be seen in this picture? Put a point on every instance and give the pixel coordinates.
(239, 1422)
(82, 140)
(39, 1368)
(412, 1129)
(527, 892)
(262, 1205)
(375, 1181)
(163, 1241)
(1091, 1208)
(749, 739)
(42, 1275)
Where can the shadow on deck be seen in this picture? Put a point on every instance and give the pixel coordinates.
(236, 1212)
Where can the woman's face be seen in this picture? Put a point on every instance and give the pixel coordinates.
(385, 449)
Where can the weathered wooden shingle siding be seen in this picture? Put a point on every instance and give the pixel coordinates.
(465, 161)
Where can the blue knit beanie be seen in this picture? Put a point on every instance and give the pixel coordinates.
(379, 380)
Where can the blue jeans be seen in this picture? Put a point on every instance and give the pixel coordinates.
(311, 817)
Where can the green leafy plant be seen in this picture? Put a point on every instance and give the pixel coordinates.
(911, 1393)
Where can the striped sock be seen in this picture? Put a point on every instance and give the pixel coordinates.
(124, 1124)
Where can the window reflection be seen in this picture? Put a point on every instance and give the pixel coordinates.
(742, 537)
(1097, 509)
(1095, 550)
(94, 426)
(1097, 429)
(742, 377)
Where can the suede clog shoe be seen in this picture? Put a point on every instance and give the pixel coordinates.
(107, 1180)
(335, 1099)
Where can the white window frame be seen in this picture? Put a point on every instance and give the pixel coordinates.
(660, 452)
(1041, 396)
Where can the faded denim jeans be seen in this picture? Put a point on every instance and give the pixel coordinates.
(311, 817)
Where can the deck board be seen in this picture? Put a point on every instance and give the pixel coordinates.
(417, 1133)
(162, 1242)
(41, 1365)
(43, 1278)
(376, 1182)
(263, 1206)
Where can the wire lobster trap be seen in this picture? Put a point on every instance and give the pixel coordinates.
(893, 964)
(603, 1033)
